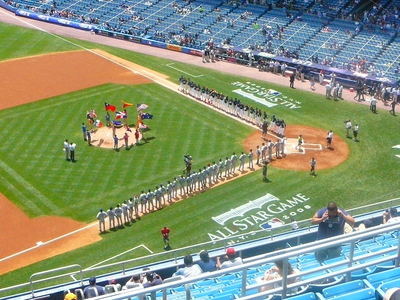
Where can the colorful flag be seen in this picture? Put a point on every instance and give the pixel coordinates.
(98, 124)
(126, 104)
(110, 107)
(143, 126)
(142, 106)
(147, 116)
(93, 114)
(119, 115)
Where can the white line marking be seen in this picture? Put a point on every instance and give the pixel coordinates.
(50, 241)
(191, 75)
(122, 253)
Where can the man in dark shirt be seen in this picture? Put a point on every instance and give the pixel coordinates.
(331, 221)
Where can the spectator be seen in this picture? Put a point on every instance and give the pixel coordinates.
(152, 279)
(116, 285)
(276, 272)
(93, 289)
(365, 225)
(206, 263)
(390, 216)
(230, 260)
(331, 221)
(190, 269)
(135, 279)
(70, 296)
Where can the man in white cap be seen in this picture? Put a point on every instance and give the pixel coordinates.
(230, 260)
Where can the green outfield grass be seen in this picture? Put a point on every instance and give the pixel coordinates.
(35, 176)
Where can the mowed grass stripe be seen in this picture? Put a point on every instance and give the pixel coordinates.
(27, 186)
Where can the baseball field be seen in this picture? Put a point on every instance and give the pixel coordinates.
(49, 204)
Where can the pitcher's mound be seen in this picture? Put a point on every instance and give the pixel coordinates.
(103, 137)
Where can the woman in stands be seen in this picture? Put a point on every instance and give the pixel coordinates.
(276, 272)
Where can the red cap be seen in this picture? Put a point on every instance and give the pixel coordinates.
(230, 251)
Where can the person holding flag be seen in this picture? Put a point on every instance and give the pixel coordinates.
(139, 120)
(125, 117)
(108, 119)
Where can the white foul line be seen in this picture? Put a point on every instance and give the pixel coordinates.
(191, 75)
(40, 244)
(122, 253)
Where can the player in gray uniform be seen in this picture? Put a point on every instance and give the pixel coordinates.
(125, 211)
(227, 166)
(210, 173)
(215, 171)
(175, 188)
(118, 215)
(263, 151)
(157, 195)
(188, 183)
(130, 208)
(111, 218)
(202, 178)
(143, 202)
(251, 157)
(162, 190)
(258, 154)
(233, 162)
(136, 205)
(150, 200)
(242, 159)
(193, 181)
(220, 167)
(270, 146)
(277, 148)
(169, 191)
(101, 216)
(182, 184)
(283, 142)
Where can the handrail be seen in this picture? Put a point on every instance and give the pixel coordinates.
(354, 263)
(54, 277)
(311, 247)
(304, 226)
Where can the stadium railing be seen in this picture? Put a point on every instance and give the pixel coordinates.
(251, 291)
(262, 241)
(352, 263)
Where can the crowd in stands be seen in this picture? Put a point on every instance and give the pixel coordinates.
(150, 278)
(377, 17)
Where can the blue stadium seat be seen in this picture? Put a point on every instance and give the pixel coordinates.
(306, 296)
(378, 278)
(343, 288)
(318, 286)
(364, 294)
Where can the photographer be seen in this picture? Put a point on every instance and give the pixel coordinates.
(188, 163)
(152, 279)
(331, 221)
(390, 216)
